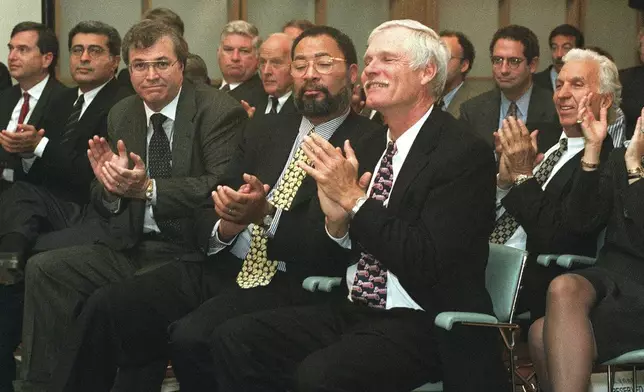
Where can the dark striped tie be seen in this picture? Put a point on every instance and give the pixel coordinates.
(274, 103)
(72, 120)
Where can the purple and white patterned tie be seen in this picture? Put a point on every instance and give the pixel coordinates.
(370, 284)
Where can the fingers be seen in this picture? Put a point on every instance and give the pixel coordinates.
(138, 162)
(254, 182)
(25, 128)
(221, 209)
(534, 138)
(120, 147)
(350, 154)
(364, 181)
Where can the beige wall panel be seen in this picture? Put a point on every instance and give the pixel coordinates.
(270, 15)
(540, 17)
(204, 20)
(357, 18)
(610, 24)
(14, 12)
(478, 20)
(120, 14)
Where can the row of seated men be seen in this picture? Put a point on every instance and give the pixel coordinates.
(186, 234)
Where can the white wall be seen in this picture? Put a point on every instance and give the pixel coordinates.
(14, 12)
(611, 25)
(204, 20)
(270, 15)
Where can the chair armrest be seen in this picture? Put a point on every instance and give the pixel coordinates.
(546, 260)
(446, 320)
(567, 261)
(321, 283)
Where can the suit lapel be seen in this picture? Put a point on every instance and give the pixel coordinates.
(13, 96)
(418, 157)
(135, 140)
(184, 131)
(39, 110)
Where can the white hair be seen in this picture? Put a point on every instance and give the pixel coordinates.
(241, 27)
(424, 47)
(608, 74)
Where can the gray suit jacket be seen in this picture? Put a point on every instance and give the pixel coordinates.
(482, 112)
(465, 93)
(206, 128)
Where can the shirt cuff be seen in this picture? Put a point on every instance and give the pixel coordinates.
(153, 200)
(40, 148)
(272, 228)
(27, 163)
(112, 206)
(7, 175)
(215, 244)
(344, 242)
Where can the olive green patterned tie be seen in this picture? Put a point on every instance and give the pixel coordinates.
(257, 270)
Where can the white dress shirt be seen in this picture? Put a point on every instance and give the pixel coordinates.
(34, 95)
(523, 104)
(232, 85)
(280, 102)
(40, 148)
(575, 145)
(397, 297)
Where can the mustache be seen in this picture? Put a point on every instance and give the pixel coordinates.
(559, 61)
(315, 87)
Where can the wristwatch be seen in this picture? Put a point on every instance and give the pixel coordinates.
(357, 206)
(267, 220)
(149, 190)
(637, 172)
(521, 178)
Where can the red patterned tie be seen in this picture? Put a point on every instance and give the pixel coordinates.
(370, 284)
(24, 109)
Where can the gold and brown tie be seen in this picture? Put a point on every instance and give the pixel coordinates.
(257, 270)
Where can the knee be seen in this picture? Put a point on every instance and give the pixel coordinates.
(187, 336)
(535, 335)
(568, 290)
(38, 266)
(316, 374)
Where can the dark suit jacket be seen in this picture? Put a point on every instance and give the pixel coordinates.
(205, 132)
(482, 112)
(5, 77)
(464, 94)
(301, 240)
(9, 99)
(632, 80)
(287, 108)
(251, 91)
(543, 79)
(64, 167)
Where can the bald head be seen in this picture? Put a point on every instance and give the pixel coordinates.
(275, 64)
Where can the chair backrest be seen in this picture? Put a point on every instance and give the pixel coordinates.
(503, 279)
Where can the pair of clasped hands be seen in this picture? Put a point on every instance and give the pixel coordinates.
(334, 170)
(517, 150)
(23, 141)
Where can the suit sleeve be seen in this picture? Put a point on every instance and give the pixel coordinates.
(454, 219)
(179, 196)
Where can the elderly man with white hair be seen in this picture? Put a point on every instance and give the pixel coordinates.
(595, 314)
(418, 229)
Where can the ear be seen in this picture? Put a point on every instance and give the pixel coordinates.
(465, 65)
(116, 60)
(606, 101)
(47, 59)
(534, 64)
(353, 73)
(429, 73)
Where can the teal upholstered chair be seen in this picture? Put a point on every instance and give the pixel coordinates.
(631, 359)
(502, 280)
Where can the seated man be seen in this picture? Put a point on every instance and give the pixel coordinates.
(180, 139)
(594, 314)
(418, 231)
(126, 325)
(531, 194)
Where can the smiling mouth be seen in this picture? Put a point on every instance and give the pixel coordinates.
(376, 83)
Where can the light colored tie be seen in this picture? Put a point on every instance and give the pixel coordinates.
(257, 270)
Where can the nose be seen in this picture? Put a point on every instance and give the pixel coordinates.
(151, 73)
(12, 54)
(85, 56)
(311, 73)
(563, 92)
(236, 56)
(560, 52)
(266, 68)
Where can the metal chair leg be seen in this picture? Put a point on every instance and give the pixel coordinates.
(634, 378)
(609, 378)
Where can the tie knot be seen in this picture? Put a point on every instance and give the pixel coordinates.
(25, 96)
(226, 87)
(563, 144)
(157, 120)
(80, 100)
(392, 149)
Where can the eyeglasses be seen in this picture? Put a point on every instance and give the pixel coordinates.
(513, 62)
(141, 67)
(93, 51)
(322, 65)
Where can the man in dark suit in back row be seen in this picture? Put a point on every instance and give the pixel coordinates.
(238, 56)
(419, 240)
(514, 51)
(292, 229)
(33, 53)
(562, 38)
(275, 72)
(169, 145)
(461, 61)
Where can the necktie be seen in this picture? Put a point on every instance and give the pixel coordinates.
(370, 283)
(512, 110)
(226, 87)
(257, 270)
(506, 225)
(441, 104)
(73, 118)
(274, 104)
(160, 166)
(24, 109)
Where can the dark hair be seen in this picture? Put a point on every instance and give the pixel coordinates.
(301, 24)
(344, 42)
(568, 31)
(521, 34)
(166, 16)
(196, 69)
(146, 33)
(601, 52)
(47, 41)
(100, 28)
(468, 49)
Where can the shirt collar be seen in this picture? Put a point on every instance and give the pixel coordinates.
(91, 94)
(169, 110)
(405, 141)
(573, 142)
(523, 103)
(326, 129)
(232, 85)
(36, 90)
(284, 97)
(553, 76)
(450, 95)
